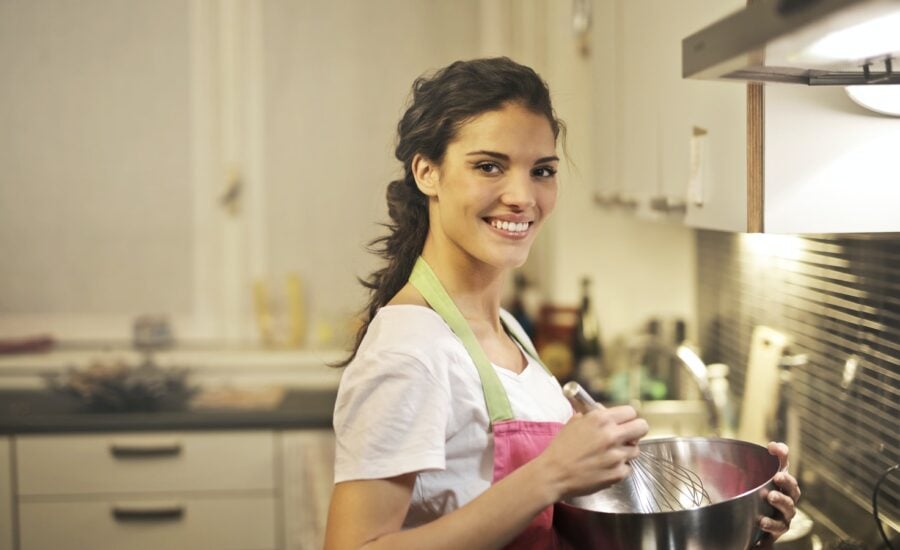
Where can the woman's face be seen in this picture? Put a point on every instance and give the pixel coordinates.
(495, 186)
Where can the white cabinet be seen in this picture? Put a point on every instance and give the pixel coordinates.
(640, 45)
(241, 490)
(666, 120)
(702, 130)
(7, 502)
(728, 156)
(607, 115)
(829, 165)
(157, 490)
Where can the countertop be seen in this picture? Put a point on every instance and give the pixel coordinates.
(40, 411)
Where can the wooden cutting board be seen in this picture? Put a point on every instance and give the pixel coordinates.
(761, 386)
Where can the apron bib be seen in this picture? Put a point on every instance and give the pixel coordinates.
(515, 441)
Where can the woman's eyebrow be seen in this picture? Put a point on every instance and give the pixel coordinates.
(505, 157)
(494, 154)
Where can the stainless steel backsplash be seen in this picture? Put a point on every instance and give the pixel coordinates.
(838, 298)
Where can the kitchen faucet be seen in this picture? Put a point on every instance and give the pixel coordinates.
(700, 372)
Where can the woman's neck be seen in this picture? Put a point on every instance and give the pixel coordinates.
(475, 287)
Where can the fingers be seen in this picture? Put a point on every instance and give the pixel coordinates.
(779, 450)
(788, 485)
(774, 527)
(622, 413)
(628, 426)
(631, 431)
(784, 501)
(784, 504)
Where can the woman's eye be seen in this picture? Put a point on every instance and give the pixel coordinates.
(544, 172)
(488, 167)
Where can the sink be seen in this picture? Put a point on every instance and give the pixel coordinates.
(682, 418)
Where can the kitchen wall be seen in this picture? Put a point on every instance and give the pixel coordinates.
(837, 299)
(161, 160)
(127, 132)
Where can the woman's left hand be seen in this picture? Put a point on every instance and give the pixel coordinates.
(784, 499)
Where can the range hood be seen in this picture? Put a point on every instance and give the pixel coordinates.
(813, 42)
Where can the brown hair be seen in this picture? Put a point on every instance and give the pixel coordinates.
(440, 105)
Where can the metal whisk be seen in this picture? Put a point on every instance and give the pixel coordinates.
(661, 484)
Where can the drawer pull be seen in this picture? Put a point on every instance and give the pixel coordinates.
(160, 511)
(145, 449)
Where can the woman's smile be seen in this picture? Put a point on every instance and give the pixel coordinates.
(510, 229)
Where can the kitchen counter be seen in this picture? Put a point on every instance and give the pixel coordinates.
(40, 411)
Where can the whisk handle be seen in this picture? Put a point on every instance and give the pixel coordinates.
(580, 399)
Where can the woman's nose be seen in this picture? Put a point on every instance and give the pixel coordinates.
(519, 191)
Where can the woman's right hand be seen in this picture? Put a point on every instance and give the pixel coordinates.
(592, 450)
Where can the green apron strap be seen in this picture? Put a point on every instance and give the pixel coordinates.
(426, 282)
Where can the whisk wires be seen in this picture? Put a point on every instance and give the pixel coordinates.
(662, 485)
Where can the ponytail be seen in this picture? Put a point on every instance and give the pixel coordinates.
(408, 210)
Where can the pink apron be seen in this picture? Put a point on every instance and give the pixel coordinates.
(515, 441)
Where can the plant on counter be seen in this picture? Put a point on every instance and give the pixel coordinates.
(120, 387)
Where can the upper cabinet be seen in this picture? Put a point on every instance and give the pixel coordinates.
(731, 156)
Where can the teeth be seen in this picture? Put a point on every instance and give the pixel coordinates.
(510, 226)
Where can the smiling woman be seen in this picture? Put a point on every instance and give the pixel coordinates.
(444, 403)
(450, 431)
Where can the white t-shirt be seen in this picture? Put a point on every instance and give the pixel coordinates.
(411, 401)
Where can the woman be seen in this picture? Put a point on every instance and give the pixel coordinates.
(450, 433)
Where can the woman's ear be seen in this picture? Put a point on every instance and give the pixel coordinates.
(426, 173)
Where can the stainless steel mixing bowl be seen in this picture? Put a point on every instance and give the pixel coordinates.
(736, 475)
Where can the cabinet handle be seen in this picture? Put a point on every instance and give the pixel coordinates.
(147, 449)
(615, 198)
(160, 511)
(668, 205)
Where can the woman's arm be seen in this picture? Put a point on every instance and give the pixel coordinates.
(589, 453)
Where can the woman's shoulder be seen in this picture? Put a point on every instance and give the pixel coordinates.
(409, 296)
(410, 329)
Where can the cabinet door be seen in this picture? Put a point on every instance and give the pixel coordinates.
(702, 127)
(6, 494)
(606, 105)
(640, 141)
(307, 458)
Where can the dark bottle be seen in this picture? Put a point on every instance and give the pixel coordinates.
(587, 349)
(517, 308)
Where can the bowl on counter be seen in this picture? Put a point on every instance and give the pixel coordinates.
(736, 477)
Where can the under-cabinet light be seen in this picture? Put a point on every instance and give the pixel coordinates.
(884, 98)
(867, 40)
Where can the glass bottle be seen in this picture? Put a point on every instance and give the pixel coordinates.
(587, 348)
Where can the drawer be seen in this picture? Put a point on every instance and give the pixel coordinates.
(130, 463)
(240, 523)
